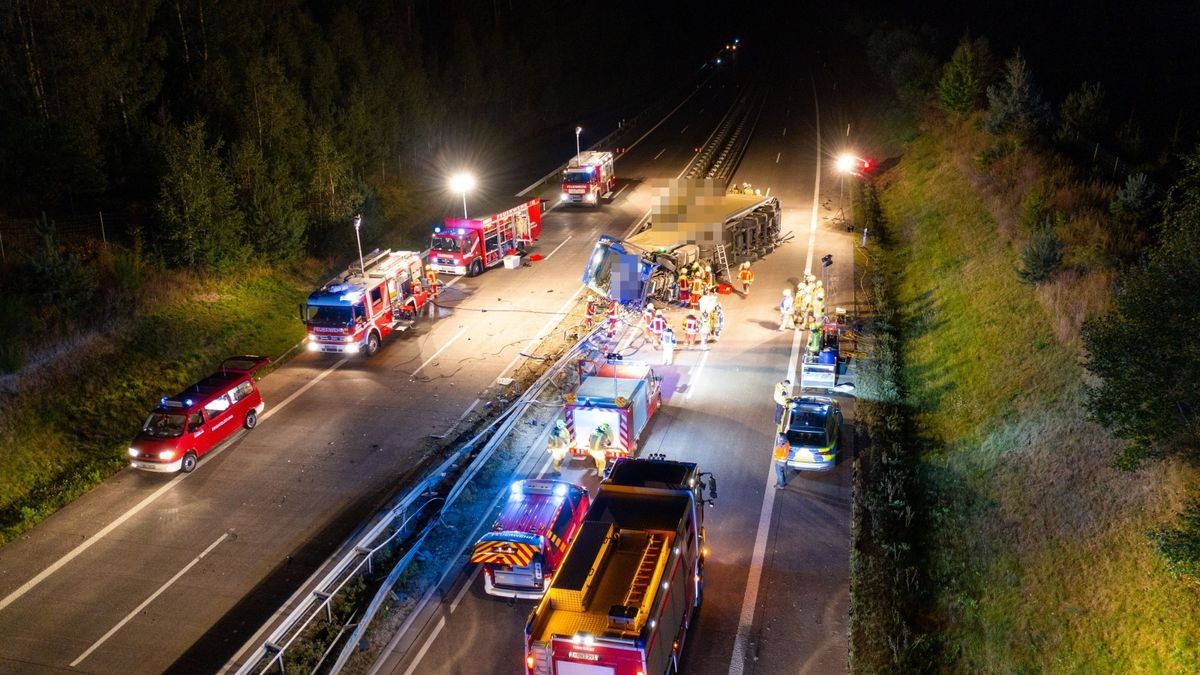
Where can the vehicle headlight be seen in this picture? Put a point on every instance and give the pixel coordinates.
(564, 197)
(313, 346)
(351, 349)
(347, 338)
(167, 454)
(591, 196)
(133, 452)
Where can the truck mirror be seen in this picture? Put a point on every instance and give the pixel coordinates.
(712, 486)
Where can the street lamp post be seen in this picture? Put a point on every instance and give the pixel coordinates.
(357, 224)
(578, 130)
(462, 183)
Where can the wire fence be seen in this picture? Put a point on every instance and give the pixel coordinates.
(20, 235)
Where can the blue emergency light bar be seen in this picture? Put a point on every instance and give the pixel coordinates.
(437, 229)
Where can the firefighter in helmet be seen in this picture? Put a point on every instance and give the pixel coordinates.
(599, 441)
(557, 445)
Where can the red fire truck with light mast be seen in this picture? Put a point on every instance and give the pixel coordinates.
(469, 246)
(629, 588)
(355, 310)
(588, 177)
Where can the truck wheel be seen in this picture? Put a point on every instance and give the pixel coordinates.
(476, 269)
(251, 419)
(372, 344)
(189, 462)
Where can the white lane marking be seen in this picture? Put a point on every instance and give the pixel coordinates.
(737, 661)
(150, 499)
(463, 591)
(137, 610)
(620, 191)
(785, 131)
(660, 152)
(564, 243)
(309, 385)
(428, 643)
(687, 98)
(438, 352)
(696, 377)
(684, 128)
(541, 333)
(777, 156)
(768, 192)
(450, 283)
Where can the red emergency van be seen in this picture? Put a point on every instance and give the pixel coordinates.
(530, 537)
(186, 426)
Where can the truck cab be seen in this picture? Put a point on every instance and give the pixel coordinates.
(588, 177)
(185, 427)
(530, 538)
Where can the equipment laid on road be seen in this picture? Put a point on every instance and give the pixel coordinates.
(530, 537)
(825, 370)
(469, 246)
(355, 310)
(690, 221)
(623, 395)
(186, 426)
(629, 588)
(588, 178)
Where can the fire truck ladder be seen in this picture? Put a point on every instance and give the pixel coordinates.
(645, 571)
(723, 261)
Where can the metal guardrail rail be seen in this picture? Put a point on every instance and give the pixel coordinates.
(402, 527)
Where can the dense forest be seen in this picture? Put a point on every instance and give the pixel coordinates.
(199, 134)
(235, 128)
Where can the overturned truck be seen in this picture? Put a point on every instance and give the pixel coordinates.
(690, 221)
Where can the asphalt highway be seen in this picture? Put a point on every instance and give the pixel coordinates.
(777, 580)
(150, 573)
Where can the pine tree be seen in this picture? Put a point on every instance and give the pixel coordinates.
(1015, 104)
(961, 88)
(203, 228)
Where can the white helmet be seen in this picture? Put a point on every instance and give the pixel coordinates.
(650, 306)
(818, 283)
(746, 264)
(787, 292)
(708, 268)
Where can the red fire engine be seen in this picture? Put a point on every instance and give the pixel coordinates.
(356, 309)
(588, 177)
(530, 538)
(469, 246)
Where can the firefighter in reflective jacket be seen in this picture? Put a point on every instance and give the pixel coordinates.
(691, 328)
(657, 325)
(589, 315)
(557, 445)
(614, 314)
(647, 319)
(746, 276)
(685, 288)
(600, 439)
(431, 280)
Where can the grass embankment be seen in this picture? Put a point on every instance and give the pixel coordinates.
(68, 426)
(1037, 546)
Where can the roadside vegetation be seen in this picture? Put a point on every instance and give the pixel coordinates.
(174, 179)
(1047, 363)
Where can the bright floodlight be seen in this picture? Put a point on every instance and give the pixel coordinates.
(462, 182)
(845, 163)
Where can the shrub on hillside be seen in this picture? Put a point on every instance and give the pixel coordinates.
(1041, 257)
(1082, 113)
(1179, 546)
(1134, 202)
(1144, 350)
(1015, 104)
(1034, 211)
